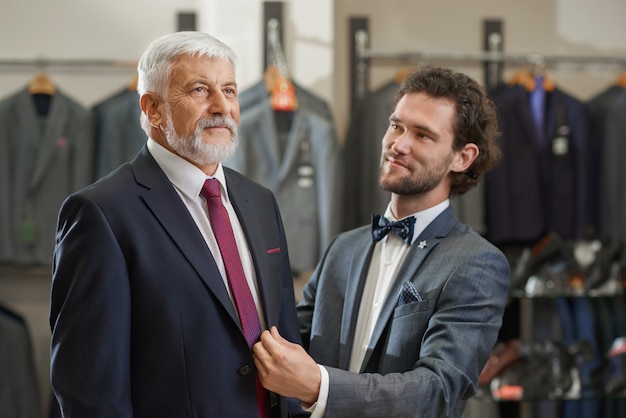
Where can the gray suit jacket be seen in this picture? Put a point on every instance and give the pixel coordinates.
(46, 158)
(19, 391)
(424, 357)
(310, 213)
(117, 131)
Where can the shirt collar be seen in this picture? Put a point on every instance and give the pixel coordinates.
(185, 176)
(422, 218)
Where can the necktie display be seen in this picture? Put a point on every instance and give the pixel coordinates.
(381, 226)
(244, 302)
(537, 107)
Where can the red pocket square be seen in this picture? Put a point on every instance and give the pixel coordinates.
(273, 250)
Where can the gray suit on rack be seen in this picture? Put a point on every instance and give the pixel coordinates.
(424, 357)
(309, 203)
(118, 132)
(47, 158)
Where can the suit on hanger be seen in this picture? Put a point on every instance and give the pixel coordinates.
(421, 354)
(117, 131)
(608, 120)
(19, 390)
(189, 354)
(537, 188)
(257, 93)
(47, 157)
(303, 173)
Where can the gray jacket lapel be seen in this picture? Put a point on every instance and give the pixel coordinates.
(431, 237)
(356, 275)
(296, 139)
(52, 138)
(29, 142)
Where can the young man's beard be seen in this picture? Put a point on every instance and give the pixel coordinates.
(418, 182)
(194, 148)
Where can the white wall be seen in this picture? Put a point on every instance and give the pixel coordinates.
(120, 30)
(308, 39)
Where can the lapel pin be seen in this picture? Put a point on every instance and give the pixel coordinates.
(422, 245)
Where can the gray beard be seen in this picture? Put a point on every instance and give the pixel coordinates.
(194, 148)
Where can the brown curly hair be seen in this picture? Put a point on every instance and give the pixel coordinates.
(475, 122)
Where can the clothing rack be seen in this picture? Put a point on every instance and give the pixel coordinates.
(45, 63)
(363, 57)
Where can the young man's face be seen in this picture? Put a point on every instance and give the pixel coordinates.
(417, 152)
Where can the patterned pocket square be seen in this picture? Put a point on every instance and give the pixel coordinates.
(408, 294)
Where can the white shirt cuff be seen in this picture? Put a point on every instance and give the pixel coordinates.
(318, 409)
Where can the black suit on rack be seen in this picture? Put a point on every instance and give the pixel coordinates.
(608, 120)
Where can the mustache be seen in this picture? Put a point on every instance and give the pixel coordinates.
(216, 121)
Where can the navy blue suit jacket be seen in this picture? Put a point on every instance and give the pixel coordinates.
(142, 324)
(534, 190)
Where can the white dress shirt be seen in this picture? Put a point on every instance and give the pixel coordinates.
(188, 180)
(387, 257)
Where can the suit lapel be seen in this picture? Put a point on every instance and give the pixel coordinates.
(268, 137)
(296, 139)
(163, 201)
(250, 219)
(30, 143)
(432, 235)
(52, 137)
(354, 290)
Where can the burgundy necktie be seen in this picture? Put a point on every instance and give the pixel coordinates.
(246, 309)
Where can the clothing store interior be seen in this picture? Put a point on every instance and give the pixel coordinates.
(555, 204)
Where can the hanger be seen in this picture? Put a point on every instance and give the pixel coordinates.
(527, 79)
(401, 74)
(132, 84)
(621, 80)
(283, 92)
(283, 95)
(42, 84)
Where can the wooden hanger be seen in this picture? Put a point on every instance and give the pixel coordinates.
(42, 84)
(283, 97)
(282, 91)
(526, 79)
(132, 84)
(401, 74)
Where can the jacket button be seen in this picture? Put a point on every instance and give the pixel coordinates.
(245, 370)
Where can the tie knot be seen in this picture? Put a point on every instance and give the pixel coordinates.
(211, 188)
(381, 226)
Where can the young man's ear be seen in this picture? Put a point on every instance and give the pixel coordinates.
(152, 107)
(464, 158)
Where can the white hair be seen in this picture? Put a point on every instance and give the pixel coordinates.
(154, 67)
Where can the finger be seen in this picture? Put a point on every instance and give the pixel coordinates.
(270, 344)
(276, 334)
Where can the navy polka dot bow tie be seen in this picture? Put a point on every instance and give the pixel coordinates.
(381, 226)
